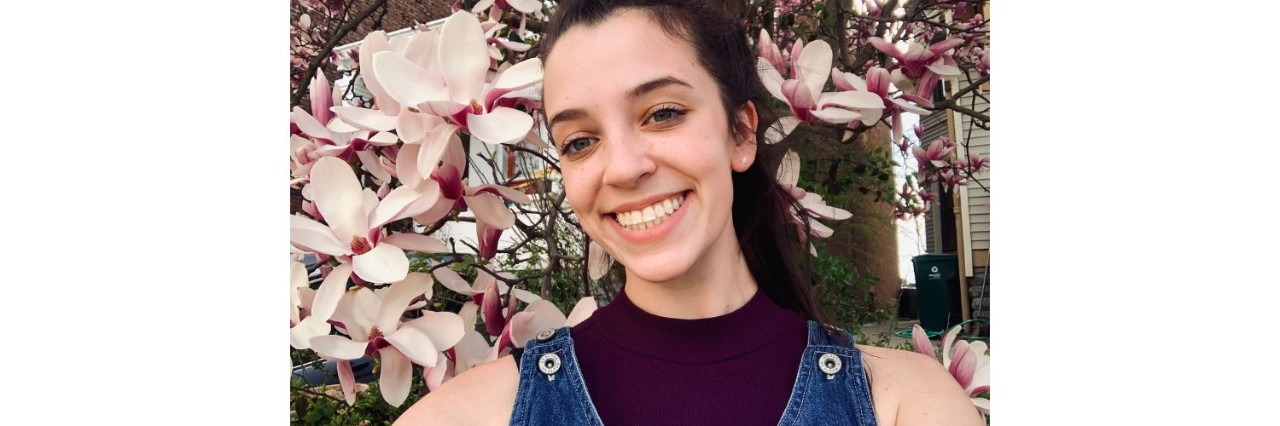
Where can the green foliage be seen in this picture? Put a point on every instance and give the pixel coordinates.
(313, 408)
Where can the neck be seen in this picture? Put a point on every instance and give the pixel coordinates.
(715, 285)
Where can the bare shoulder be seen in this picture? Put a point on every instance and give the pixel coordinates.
(911, 389)
(482, 395)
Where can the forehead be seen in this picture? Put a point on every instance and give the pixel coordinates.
(589, 64)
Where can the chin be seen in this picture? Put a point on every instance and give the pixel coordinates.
(660, 268)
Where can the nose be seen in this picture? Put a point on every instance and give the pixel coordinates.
(629, 161)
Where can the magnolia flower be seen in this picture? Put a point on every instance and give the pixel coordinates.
(410, 124)
(878, 83)
(376, 330)
(354, 220)
(810, 67)
(937, 155)
(455, 88)
(920, 67)
(811, 204)
(967, 362)
(302, 325)
(444, 163)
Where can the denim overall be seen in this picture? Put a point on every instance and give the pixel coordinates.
(830, 389)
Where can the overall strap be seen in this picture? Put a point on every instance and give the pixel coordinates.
(831, 386)
(551, 389)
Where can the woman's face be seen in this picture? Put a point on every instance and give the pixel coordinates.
(645, 146)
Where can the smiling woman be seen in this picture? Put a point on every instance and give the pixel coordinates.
(716, 323)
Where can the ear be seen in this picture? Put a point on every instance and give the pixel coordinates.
(745, 124)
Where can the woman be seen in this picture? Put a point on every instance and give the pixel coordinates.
(650, 105)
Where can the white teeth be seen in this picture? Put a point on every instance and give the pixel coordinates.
(649, 216)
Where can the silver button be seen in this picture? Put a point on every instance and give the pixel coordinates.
(546, 334)
(830, 364)
(549, 364)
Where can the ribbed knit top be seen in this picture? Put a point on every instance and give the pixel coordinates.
(734, 369)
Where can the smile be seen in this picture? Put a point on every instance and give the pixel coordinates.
(650, 216)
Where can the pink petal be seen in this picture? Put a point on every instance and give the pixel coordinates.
(452, 281)
(920, 339)
(962, 368)
(945, 45)
(384, 264)
(373, 166)
(348, 380)
(885, 47)
(948, 341)
(815, 66)
(540, 315)
(462, 44)
(415, 345)
(398, 297)
(337, 194)
(897, 127)
(338, 347)
(511, 194)
(407, 166)
(491, 307)
(581, 311)
(372, 44)
(503, 125)
(769, 51)
(434, 376)
(836, 115)
(416, 242)
(394, 206)
(396, 376)
(445, 329)
(412, 127)
(492, 210)
(321, 98)
(798, 96)
(878, 81)
(468, 313)
(330, 292)
(309, 125)
(434, 147)
(941, 67)
(312, 236)
(421, 50)
(847, 80)
(405, 81)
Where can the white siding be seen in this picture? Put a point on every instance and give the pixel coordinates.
(977, 214)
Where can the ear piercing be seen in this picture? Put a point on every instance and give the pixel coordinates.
(744, 159)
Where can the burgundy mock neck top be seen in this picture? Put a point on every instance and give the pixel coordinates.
(734, 369)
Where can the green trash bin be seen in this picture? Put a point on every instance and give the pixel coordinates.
(937, 290)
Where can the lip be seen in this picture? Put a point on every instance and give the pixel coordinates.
(655, 233)
(637, 205)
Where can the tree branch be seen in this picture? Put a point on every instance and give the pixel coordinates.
(328, 48)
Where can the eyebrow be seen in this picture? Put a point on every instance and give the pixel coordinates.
(633, 94)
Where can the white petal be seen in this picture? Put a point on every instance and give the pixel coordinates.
(398, 297)
(835, 115)
(372, 44)
(415, 345)
(452, 281)
(850, 99)
(337, 195)
(500, 126)
(519, 76)
(491, 210)
(599, 262)
(384, 264)
(464, 56)
(525, 6)
(396, 376)
(313, 236)
(771, 78)
(300, 335)
(393, 207)
(789, 169)
(540, 315)
(445, 329)
(405, 81)
(416, 242)
(330, 292)
(581, 311)
(338, 347)
(815, 65)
